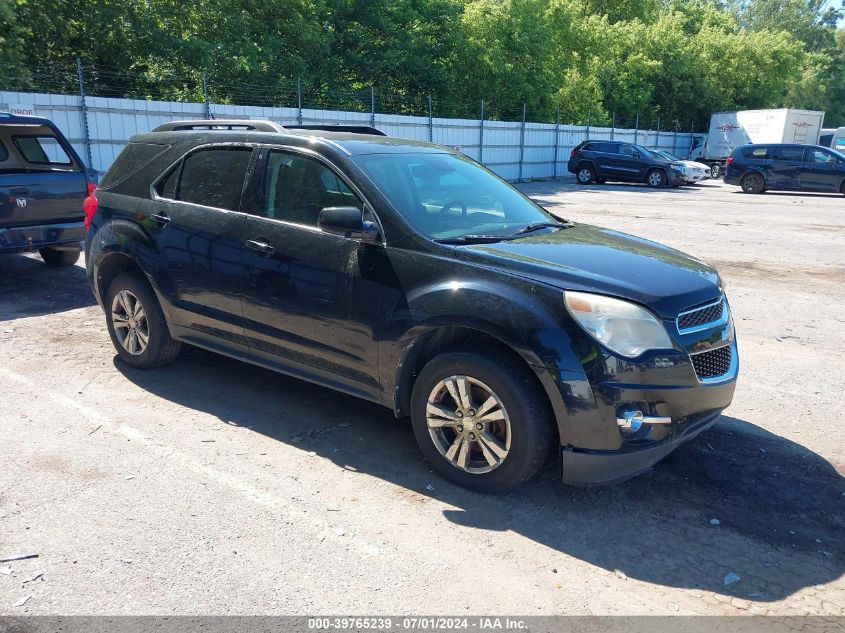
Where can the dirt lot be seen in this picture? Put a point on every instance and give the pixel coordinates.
(214, 487)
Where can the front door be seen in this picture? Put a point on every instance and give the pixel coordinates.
(310, 305)
(195, 221)
(822, 170)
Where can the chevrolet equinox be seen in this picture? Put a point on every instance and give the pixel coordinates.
(407, 274)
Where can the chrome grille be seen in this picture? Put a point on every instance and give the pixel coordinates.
(712, 363)
(701, 316)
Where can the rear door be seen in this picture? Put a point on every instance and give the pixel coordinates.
(194, 218)
(41, 182)
(784, 166)
(607, 159)
(822, 170)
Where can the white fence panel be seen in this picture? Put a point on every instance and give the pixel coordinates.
(512, 149)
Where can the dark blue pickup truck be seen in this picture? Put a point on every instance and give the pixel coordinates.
(42, 187)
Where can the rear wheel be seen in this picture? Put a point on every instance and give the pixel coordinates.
(753, 183)
(656, 179)
(136, 324)
(585, 174)
(481, 421)
(55, 257)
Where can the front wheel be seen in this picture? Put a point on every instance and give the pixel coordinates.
(753, 183)
(136, 324)
(56, 257)
(656, 179)
(714, 171)
(481, 421)
(586, 175)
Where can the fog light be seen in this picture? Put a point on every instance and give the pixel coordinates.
(631, 421)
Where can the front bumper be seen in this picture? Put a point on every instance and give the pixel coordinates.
(31, 238)
(587, 468)
(672, 405)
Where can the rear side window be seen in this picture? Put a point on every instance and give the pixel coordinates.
(755, 152)
(4, 153)
(42, 150)
(131, 159)
(606, 148)
(787, 153)
(214, 177)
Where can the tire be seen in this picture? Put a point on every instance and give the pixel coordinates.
(656, 179)
(519, 421)
(714, 171)
(55, 257)
(585, 174)
(753, 183)
(160, 349)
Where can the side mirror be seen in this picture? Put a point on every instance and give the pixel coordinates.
(637, 155)
(348, 222)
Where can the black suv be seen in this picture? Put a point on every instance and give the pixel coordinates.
(404, 273)
(600, 161)
(42, 188)
(788, 167)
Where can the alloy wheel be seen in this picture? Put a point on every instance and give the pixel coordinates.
(655, 179)
(130, 322)
(468, 424)
(585, 176)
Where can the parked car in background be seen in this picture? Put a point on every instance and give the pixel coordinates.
(757, 168)
(407, 274)
(42, 188)
(729, 130)
(693, 171)
(837, 142)
(826, 136)
(600, 161)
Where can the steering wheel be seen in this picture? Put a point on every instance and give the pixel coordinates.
(451, 204)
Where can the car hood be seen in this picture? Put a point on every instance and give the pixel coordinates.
(594, 259)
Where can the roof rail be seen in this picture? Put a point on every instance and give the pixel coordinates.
(340, 127)
(220, 124)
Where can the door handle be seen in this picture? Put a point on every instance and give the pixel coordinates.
(162, 219)
(260, 246)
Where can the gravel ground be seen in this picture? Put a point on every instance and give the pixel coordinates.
(215, 487)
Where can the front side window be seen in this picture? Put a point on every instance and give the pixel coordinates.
(297, 188)
(42, 149)
(822, 156)
(214, 177)
(446, 196)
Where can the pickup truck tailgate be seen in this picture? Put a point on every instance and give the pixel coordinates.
(41, 197)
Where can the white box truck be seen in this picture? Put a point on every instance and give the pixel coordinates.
(731, 129)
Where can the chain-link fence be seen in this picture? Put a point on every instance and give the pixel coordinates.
(99, 108)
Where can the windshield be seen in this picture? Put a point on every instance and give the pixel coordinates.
(448, 196)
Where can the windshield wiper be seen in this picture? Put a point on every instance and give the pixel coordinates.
(543, 225)
(487, 239)
(472, 239)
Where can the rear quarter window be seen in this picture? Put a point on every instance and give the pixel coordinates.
(757, 153)
(133, 157)
(4, 152)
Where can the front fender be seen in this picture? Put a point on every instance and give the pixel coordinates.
(526, 317)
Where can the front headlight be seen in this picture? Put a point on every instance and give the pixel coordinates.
(621, 326)
(678, 167)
